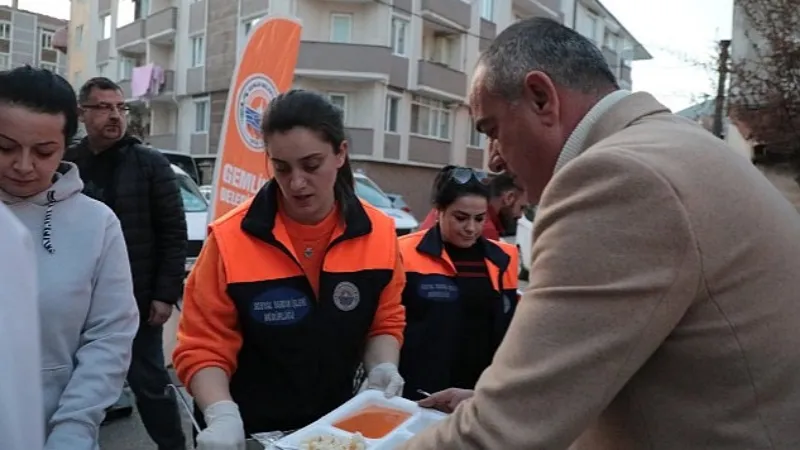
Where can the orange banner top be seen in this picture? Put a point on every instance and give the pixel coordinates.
(265, 69)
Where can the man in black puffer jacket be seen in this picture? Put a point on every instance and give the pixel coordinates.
(138, 183)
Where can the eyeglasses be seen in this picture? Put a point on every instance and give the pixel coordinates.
(108, 108)
(462, 175)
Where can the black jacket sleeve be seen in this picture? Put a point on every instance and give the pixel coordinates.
(169, 226)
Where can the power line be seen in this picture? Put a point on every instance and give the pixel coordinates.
(453, 28)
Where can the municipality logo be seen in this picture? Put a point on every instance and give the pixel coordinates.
(254, 96)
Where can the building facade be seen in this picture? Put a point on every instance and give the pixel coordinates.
(397, 68)
(28, 38)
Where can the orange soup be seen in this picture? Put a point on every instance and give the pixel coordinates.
(373, 422)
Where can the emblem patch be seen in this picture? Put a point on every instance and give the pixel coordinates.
(251, 102)
(346, 296)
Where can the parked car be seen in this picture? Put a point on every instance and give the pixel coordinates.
(523, 240)
(207, 191)
(367, 190)
(195, 206)
(185, 161)
(399, 202)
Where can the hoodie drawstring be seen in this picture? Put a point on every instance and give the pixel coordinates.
(47, 239)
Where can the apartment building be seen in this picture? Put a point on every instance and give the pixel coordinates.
(28, 38)
(397, 68)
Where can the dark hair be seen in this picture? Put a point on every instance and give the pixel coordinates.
(447, 188)
(501, 183)
(299, 108)
(570, 59)
(101, 83)
(41, 91)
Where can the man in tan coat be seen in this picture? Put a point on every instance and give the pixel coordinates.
(663, 311)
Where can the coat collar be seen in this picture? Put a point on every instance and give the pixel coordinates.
(610, 115)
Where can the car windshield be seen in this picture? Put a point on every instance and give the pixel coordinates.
(372, 194)
(193, 199)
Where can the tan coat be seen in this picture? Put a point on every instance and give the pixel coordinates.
(664, 305)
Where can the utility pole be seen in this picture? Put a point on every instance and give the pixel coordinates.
(719, 106)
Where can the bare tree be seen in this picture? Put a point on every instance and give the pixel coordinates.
(764, 96)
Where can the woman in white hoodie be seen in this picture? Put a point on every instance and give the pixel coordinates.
(87, 310)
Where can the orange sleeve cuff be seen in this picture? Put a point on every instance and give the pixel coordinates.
(390, 318)
(208, 331)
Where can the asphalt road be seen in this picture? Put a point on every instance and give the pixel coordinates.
(129, 433)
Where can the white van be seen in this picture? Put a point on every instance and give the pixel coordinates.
(195, 206)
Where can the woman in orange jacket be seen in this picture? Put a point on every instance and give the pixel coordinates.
(461, 290)
(293, 290)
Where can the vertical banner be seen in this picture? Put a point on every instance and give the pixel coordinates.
(265, 69)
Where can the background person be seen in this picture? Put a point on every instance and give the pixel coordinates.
(506, 202)
(21, 411)
(86, 303)
(461, 289)
(138, 184)
(663, 309)
(293, 290)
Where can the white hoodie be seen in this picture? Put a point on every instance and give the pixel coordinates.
(21, 424)
(88, 313)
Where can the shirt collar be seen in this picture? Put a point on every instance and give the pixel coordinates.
(577, 140)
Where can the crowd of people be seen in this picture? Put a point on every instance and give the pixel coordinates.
(661, 311)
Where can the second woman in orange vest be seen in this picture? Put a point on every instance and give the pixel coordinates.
(293, 290)
(461, 290)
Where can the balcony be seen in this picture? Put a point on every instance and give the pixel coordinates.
(131, 38)
(539, 8)
(440, 81)
(163, 141)
(125, 87)
(612, 59)
(160, 27)
(453, 11)
(361, 141)
(167, 90)
(488, 33)
(61, 40)
(353, 62)
(625, 73)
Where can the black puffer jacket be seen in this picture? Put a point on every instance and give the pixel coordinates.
(138, 183)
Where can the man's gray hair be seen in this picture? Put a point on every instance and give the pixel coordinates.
(542, 44)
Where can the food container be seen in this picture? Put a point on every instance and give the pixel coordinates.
(410, 419)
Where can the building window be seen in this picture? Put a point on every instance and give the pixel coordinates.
(399, 36)
(611, 42)
(202, 114)
(5, 30)
(341, 28)
(126, 66)
(101, 69)
(49, 66)
(250, 24)
(105, 26)
(487, 9)
(198, 51)
(430, 118)
(392, 115)
(586, 24)
(46, 40)
(340, 101)
(4, 62)
(79, 35)
(476, 138)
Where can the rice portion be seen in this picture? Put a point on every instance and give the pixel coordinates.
(331, 442)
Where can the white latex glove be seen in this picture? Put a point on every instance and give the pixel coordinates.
(386, 378)
(224, 428)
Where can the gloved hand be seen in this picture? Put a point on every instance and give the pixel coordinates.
(224, 430)
(386, 378)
